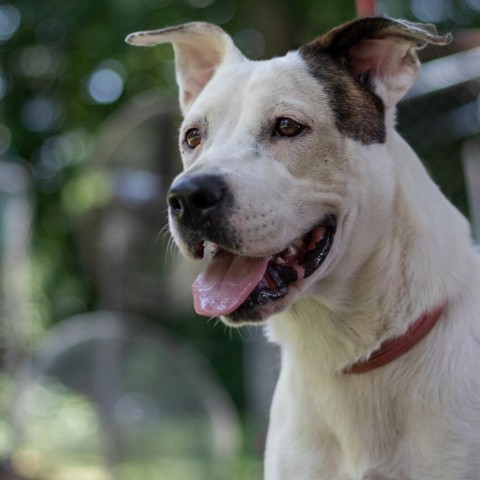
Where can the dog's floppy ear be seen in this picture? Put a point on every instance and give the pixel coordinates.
(380, 52)
(199, 48)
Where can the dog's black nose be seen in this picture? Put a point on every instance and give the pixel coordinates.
(194, 196)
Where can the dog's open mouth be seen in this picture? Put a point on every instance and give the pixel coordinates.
(231, 282)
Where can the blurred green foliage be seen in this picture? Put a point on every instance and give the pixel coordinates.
(46, 68)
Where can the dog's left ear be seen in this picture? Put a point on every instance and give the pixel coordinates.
(380, 52)
(200, 48)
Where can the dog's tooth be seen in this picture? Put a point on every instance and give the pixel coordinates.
(280, 261)
(292, 251)
(298, 243)
(214, 249)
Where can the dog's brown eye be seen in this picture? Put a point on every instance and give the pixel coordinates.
(193, 138)
(287, 127)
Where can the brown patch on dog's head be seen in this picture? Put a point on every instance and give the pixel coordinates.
(366, 66)
(359, 113)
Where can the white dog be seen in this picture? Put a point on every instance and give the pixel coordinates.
(324, 226)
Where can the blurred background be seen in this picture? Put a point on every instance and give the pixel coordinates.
(105, 372)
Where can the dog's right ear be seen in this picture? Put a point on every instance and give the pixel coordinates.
(200, 48)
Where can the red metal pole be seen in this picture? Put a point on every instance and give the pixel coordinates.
(365, 8)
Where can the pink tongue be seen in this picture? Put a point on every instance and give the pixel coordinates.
(226, 283)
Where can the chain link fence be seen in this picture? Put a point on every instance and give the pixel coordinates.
(440, 118)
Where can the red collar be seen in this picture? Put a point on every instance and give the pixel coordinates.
(393, 348)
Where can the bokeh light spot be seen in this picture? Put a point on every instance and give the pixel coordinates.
(105, 86)
(35, 61)
(220, 13)
(429, 11)
(9, 22)
(41, 114)
(251, 42)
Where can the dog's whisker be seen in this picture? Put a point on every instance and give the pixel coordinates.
(171, 246)
(240, 333)
(161, 234)
(253, 332)
(167, 253)
(225, 328)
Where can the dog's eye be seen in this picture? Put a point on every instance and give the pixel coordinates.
(287, 127)
(193, 138)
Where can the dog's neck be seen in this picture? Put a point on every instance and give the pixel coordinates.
(352, 313)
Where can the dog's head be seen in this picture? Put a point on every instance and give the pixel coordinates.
(280, 156)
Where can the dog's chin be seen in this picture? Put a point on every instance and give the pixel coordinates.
(280, 277)
(251, 313)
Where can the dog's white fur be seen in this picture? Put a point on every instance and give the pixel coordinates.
(400, 249)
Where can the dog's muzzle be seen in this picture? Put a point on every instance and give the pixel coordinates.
(236, 285)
